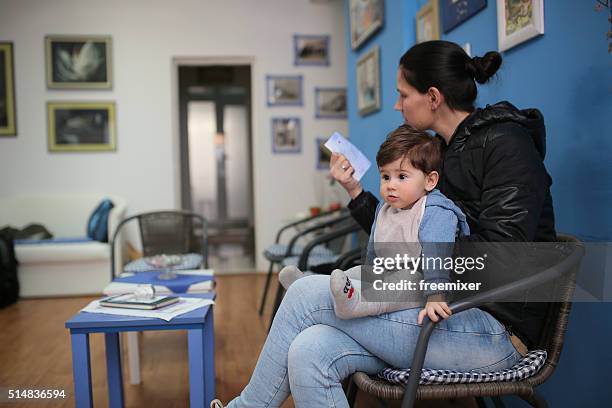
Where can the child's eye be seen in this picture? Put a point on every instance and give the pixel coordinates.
(403, 176)
(385, 177)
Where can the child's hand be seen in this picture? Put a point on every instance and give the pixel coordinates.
(433, 309)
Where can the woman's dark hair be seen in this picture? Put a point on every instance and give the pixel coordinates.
(446, 66)
(423, 150)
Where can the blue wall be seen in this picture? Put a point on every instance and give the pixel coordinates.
(567, 74)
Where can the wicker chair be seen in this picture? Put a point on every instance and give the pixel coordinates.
(552, 341)
(167, 232)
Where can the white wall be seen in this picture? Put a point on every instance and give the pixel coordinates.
(147, 35)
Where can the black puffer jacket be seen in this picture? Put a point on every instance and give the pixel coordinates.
(493, 170)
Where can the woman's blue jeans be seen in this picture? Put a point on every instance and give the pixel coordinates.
(309, 350)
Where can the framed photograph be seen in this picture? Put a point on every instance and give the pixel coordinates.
(81, 126)
(366, 17)
(455, 12)
(518, 21)
(323, 154)
(284, 90)
(8, 117)
(368, 82)
(79, 62)
(286, 135)
(428, 22)
(311, 49)
(330, 103)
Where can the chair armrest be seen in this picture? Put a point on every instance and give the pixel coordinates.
(314, 228)
(305, 220)
(303, 261)
(348, 258)
(554, 272)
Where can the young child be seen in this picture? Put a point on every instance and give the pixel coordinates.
(412, 212)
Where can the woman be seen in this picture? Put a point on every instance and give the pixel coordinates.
(494, 172)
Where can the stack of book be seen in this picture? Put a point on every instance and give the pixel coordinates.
(130, 301)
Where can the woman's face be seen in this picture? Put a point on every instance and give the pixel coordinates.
(415, 106)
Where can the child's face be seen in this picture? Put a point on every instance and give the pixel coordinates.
(401, 185)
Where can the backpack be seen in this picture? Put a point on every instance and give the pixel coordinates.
(97, 226)
(9, 285)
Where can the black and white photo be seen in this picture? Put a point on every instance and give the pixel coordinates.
(81, 126)
(8, 125)
(284, 90)
(311, 49)
(286, 135)
(81, 62)
(330, 103)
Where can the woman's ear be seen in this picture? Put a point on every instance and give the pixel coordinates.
(435, 97)
(431, 180)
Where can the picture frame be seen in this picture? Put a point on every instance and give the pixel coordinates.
(8, 114)
(368, 82)
(284, 90)
(456, 12)
(286, 135)
(366, 17)
(310, 49)
(78, 61)
(81, 126)
(330, 103)
(428, 22)
(518, 21)
(323, 154)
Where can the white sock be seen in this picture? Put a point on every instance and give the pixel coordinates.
(289, 274)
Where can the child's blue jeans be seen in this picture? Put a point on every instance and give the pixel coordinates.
(309, 350)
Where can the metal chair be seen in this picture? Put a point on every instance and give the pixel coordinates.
(345, 227)
(551, 340)
(278, 251)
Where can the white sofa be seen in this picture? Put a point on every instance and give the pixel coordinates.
(61, 269)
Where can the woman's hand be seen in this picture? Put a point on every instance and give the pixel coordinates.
(341, 170)
(433, 310)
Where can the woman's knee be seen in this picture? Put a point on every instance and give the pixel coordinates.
(313, 289)
(312, 356)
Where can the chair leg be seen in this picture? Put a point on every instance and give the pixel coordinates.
(280, 292)
(351, 392)
(266, 287)
(133, 357)
(535, 400)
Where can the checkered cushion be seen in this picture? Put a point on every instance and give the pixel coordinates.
(190, 261)
(276, 252)
(524, 368)
(313, 259)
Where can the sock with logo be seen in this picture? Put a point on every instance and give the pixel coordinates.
(346, 296)
(348, 302)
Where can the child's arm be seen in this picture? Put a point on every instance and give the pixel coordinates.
(437, 237)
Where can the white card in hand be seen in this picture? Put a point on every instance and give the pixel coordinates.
(338, 144)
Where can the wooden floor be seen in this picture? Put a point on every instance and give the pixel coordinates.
(35, 351)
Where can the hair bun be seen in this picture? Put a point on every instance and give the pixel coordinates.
(483, 68)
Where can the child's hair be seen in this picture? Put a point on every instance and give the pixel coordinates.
(423, 150)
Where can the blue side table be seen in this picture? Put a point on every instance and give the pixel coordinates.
(201, 346)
